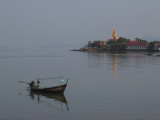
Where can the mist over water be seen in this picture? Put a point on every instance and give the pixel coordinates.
(102, 86)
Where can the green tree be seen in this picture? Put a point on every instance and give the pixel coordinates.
(115, 45)
(150, 46)
(119, 44)
(140, 40)
(96, 44)
(123, 40)
(89, 44)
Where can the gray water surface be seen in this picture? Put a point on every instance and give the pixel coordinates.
(104, 86)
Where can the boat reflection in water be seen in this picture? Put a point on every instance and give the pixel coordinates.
(58, 98)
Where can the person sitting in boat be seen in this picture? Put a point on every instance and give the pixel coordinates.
(38, 84)
(32, 84)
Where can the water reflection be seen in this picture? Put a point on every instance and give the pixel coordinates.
(114, 65)
(58, 98)
(104, 59)
(125, 60)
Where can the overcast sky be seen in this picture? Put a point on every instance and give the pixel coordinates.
(26, 23)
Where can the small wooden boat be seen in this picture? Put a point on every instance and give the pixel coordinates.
(59, 89)
(56, 89)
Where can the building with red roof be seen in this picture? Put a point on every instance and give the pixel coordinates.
(136, 45)
(102, 43)
(157, 46)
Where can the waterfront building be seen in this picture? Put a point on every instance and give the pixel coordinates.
(114, 36)
(102, 44)
(136, 45)
(157, 46)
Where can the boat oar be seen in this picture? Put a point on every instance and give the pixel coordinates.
(20, 81)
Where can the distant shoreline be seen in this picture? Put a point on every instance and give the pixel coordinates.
(102, 49)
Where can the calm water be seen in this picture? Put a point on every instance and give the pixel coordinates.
(102, 86)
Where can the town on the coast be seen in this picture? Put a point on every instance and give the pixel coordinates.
(120, 43)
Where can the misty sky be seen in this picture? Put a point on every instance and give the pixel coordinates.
(29, 23)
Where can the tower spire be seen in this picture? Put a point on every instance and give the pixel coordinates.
(114, 35)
